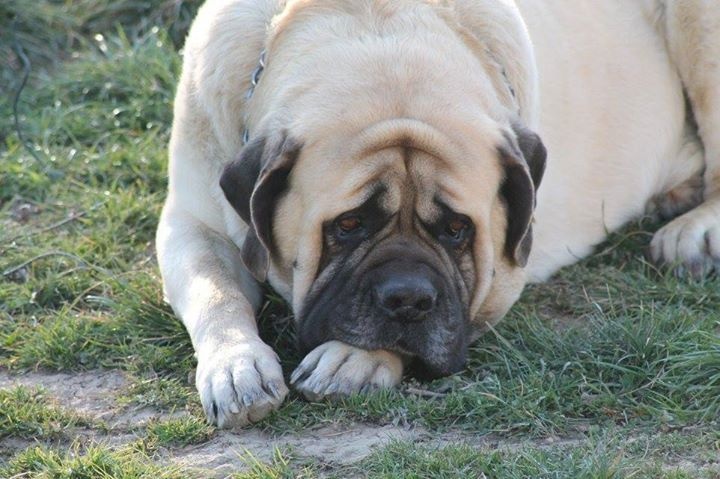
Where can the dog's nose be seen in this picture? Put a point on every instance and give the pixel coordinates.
(406, 297)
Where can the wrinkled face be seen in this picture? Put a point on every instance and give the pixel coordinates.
(396, 271)
(395, 248)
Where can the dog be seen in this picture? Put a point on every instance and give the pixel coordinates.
(380, 162)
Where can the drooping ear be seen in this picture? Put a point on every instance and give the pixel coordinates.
(239, 177)
(533, 151)
(253, 184)
(523, 159)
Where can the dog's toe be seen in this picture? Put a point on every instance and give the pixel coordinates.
(240, 386)
(335, 369)
(690, 244)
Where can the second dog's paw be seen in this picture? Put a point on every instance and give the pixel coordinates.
(240, 383)
(690, 243)
(336, 369)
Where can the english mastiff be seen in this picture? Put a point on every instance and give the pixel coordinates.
(378, 163)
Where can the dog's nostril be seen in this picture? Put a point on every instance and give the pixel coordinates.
(424, 304)
(394, 303)
(406, 297)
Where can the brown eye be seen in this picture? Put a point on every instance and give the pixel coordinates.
(456, 227)
(349, 224)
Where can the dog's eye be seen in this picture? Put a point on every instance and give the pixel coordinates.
(349, 224)
(455, 228)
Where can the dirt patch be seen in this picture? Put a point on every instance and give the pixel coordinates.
(229, 451)
(93, 395)
(90, 393)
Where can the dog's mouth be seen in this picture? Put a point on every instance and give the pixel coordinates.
(429, 357)
(435, 347)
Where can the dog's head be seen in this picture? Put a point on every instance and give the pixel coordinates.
(397, 218)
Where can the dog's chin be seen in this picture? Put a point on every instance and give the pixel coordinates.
(435, 359)
(427, 369)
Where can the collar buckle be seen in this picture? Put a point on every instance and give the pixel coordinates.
(254, 80)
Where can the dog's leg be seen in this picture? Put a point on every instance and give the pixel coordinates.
(692, 28)
(680, 199)
(239, 377)
(685, 182)
(336, 369)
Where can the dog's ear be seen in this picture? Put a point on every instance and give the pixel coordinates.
(523, 159)
(253, 184)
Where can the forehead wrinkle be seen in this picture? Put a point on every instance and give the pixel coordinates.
(376, 165)
(389, 173)
(363, 193)
(423, 180)
(448, 196)
(408, 191)
(404, 132)
(406, 173)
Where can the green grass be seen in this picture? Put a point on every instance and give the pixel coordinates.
(283, 465)
(182, 431)
(596, 458)
(28, 413)
(166, 393)
(52, 31)
(609, 344)
(95, 462)
(602, 455)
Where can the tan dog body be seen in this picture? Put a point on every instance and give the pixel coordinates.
(421, 95)
(613, 119)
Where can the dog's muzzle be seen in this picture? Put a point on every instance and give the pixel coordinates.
(401, 305)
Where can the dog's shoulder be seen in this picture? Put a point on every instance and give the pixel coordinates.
(221, 51)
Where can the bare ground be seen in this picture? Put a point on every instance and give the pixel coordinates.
(93, 395)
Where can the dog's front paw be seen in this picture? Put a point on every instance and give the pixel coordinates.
(240, 383)
(690, 243)
(336, 369)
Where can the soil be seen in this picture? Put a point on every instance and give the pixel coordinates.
(94, 395)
